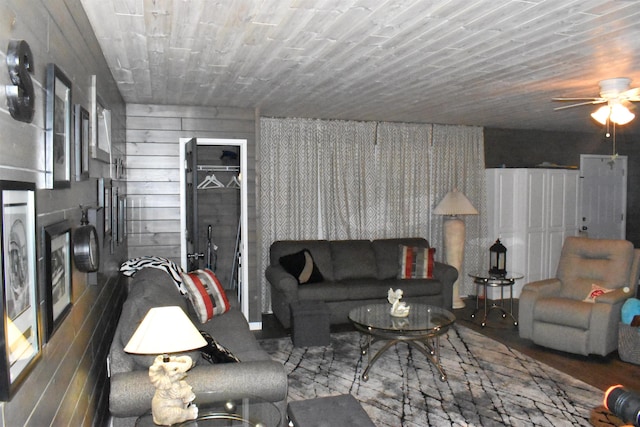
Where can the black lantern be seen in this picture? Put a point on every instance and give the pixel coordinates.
(498, 259)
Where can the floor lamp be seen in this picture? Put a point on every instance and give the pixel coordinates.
(454, 204)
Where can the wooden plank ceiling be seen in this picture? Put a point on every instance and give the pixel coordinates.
(494, 63)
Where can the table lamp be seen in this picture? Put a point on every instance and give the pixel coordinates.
(452, 205)
(166, 330)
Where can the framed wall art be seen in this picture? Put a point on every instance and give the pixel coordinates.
(115, 224)
(56, 250)
(100, 126)
(19, 302)
(58, 129)
(81, 133)
(106, 203)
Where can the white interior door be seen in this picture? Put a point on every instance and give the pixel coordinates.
(603, 196)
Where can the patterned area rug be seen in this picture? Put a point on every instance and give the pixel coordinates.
(488, 383)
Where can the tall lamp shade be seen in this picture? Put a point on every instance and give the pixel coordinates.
(453, 205)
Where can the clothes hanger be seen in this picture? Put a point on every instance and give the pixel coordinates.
(210, 181)
(233, 182)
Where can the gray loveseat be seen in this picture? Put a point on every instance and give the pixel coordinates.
(131, 390)
(354, 272)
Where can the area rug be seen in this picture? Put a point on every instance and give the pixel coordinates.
(488, 383)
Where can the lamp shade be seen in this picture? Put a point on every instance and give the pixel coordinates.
(165, 330)
(455, 203)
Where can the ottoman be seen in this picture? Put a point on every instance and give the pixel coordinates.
(332, 411)
(310, 324)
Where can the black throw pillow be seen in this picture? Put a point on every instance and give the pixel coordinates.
(301, 266)
(214, 352)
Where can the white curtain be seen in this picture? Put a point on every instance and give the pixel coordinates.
(331, 179)
(347, 179)
(403, 180)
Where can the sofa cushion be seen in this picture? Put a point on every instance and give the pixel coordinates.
(319, 249)
(353, 259)
(324, 291)
(386, 252)
(363, 289)
(205, 293)
(415, 262)
(301, 266)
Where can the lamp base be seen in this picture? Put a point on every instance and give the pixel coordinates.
(454, 233)
(459, 303)
(172, 401)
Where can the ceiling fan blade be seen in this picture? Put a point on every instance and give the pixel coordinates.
(596, 101)
(578, 99)
(630, 94)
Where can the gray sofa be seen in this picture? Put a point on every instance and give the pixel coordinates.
(355, 272)
(131, 390)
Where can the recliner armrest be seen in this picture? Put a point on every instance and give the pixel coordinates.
(613, 297)
(543, 288)
(529, 296)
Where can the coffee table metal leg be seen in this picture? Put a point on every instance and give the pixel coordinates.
(431, 353)
(365, 374)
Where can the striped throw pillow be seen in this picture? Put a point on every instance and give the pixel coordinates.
(415, 262)
(206, 294)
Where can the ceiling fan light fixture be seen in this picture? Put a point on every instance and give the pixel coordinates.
(621, 114)
(614, 112)
(601, 114)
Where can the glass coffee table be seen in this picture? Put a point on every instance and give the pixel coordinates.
(245, 412)
(421, 329)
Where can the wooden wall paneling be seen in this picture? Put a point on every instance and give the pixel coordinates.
(68, 385)
(152, 131)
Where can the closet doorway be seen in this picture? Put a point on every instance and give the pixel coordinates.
(213, 211)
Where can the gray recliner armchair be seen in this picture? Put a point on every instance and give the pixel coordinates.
(555, 313)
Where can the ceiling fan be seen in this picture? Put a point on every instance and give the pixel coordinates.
(616, 93)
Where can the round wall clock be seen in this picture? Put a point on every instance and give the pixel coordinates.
(86, 248)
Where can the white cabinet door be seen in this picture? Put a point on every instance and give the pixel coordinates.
(532, 211)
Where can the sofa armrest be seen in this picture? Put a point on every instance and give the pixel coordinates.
(283, 281)
(530, 294)
(131, 392)
(445, 273)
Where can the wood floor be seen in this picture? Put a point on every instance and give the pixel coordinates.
(600, 372)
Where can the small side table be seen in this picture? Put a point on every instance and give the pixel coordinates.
(486, 280)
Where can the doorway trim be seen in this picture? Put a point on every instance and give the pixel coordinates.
(243, 288)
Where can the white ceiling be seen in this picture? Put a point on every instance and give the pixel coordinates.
(494, 63)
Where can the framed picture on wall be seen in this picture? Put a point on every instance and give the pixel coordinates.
(115, 224)
(105, 201)
(57, 129)
(56, 250)
(100, 126)
(81, 135)
(19, 302)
